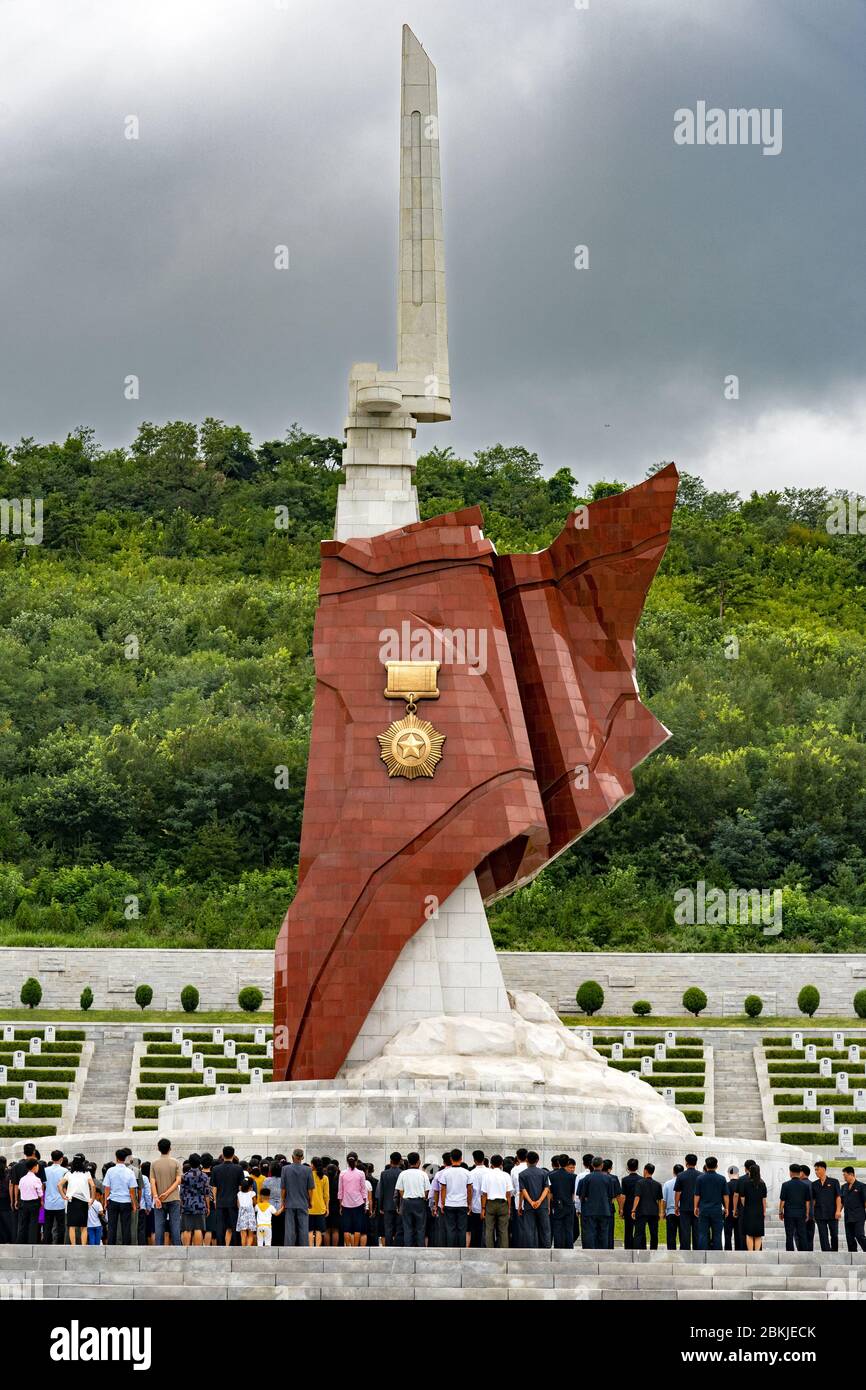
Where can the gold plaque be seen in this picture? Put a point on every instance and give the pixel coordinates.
(412, 680)
(411, 747)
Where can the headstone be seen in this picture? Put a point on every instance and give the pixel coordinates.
(810, 1100)
(29, 1090)
(243, 1061)
(8, 1033)
(2, 1076)
(828, 1117)
(257, 1077)
(12, 1108)
(36, 1047)
(18, 1060)
(210, 1076)
(797, 1042)
(669, 1095)
(839, 1042)
(841, 1081)
(825, 1067)
(219, 1035)
(269, 1048)
(635, 1073)
(846, 1141)
(198, 1061)
(171, 1093)
(222, 1089)
(616, 1052)
(587, 1036)
(50, 1033)
(854, 1053)
(230, 1047)
(646, 1066)
(177, 1035)
(860, 1099)
(186, 1047)
(811, 1053)
(670, 1038)
(660, 1052)
(628, 1038)
(259, 1036)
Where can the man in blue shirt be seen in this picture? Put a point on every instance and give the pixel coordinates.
(711, 1206)
(795, 1203)
(54, 1230)
(120, 1194)
(594, 1190)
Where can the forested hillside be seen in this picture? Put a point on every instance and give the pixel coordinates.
(156, 686)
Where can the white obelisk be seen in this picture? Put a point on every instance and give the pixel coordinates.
(450, 965)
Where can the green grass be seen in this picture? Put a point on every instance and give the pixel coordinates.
(145, 1016)
(798, 1023)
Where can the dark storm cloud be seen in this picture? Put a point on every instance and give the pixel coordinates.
(264, 123)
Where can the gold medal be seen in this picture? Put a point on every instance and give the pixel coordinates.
(411, 747)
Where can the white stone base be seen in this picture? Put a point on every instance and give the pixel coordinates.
(450, 966)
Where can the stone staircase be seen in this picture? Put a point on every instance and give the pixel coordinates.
(737, 1096)
(103, 1100)
(373, 1274)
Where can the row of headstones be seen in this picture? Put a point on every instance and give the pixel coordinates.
(660, 1052)
(187, 1049)
(811, 1049)
(628, 1041)
(19, 1062)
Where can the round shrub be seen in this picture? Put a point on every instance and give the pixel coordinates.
(189, 999)
(753, 1005)
(694, 1001)
(250, 999)
(86, 1000)
(590, 997)
(642, 1007)
(31, 993)
(808, 1000)
(860, 1003)
(143, 996)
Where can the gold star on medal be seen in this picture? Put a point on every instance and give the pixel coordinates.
(411, 748)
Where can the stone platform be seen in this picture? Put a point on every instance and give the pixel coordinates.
(374, 1274)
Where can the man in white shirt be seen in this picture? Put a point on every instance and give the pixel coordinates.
(410, 1194)
(520, 1166)
(475, 1228)
(455, 1197)
(495, 1203)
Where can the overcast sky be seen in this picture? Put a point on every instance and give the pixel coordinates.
(265, 122)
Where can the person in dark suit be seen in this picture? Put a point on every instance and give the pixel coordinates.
(615, 1199)
(854, 1209)
(594, 1192)
(562, 1185)
(684, 1191)
(672, 1221)
(647, 1209)
(733, 1224)
(711, 1205)
(392, 1223)
(628, 1184)
(795, 1203)
(806, 1175)
(827, 1205)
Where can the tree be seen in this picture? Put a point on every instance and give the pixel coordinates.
(694, 1001)
(860, 1003)
(808, 1000)
(590, 997)
(753, 1005)
(31, 993)
(189, 999)
(642, 1007)
(86, 1000)
(143, 996)
(250, 999)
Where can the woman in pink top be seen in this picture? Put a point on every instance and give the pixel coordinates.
(352, 1193)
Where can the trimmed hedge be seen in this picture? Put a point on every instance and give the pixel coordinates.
(805, 1117)
(21, 1132)
(208, 1049)
(43, 1063)
(68, 1049)
(791, 1099)
(45, 1092)
(22, 1074)
(62, 1034)
(816, 1138)
(673, 1052)
(35, 1110)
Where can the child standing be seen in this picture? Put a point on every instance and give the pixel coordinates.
(94, 1223)
(265, 1214)
(246, 1213)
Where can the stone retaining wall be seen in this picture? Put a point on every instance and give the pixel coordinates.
(555, 975)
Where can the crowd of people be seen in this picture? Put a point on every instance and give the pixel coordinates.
(512, 1201)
